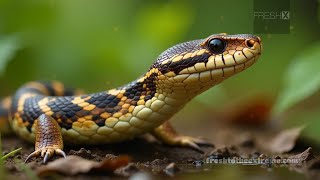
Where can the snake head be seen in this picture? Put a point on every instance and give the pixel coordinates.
(205, 62)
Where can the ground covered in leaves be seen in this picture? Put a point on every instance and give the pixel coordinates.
(140, 157)
(254, 147)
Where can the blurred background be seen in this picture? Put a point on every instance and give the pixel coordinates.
(102, 44)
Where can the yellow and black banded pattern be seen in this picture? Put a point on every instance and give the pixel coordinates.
(179, 74)
(5, 105)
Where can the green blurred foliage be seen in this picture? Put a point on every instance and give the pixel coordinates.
(302, 79)
(8, 47)
(319, 11)
(102, 44)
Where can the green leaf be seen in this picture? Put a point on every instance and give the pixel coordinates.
(301, 80)
(8, 48)
(12, 153)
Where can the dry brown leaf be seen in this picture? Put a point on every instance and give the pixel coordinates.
(300, 161)
(306, 155)
(73, 165)
(284, 141)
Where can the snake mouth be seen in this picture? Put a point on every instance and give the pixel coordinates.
(214, 75)
(220, 67)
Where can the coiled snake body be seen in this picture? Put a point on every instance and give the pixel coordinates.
(49, 114)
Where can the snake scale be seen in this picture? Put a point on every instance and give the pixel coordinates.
(49, 115)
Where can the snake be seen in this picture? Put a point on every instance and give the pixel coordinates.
(51, 115)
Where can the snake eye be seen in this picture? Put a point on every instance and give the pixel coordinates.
(217, 46)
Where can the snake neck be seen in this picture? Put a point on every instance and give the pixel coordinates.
(153, 85)
(156, 97)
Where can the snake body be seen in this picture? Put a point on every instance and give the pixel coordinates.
(178, 75)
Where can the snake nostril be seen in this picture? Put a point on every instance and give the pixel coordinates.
(250, 43)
